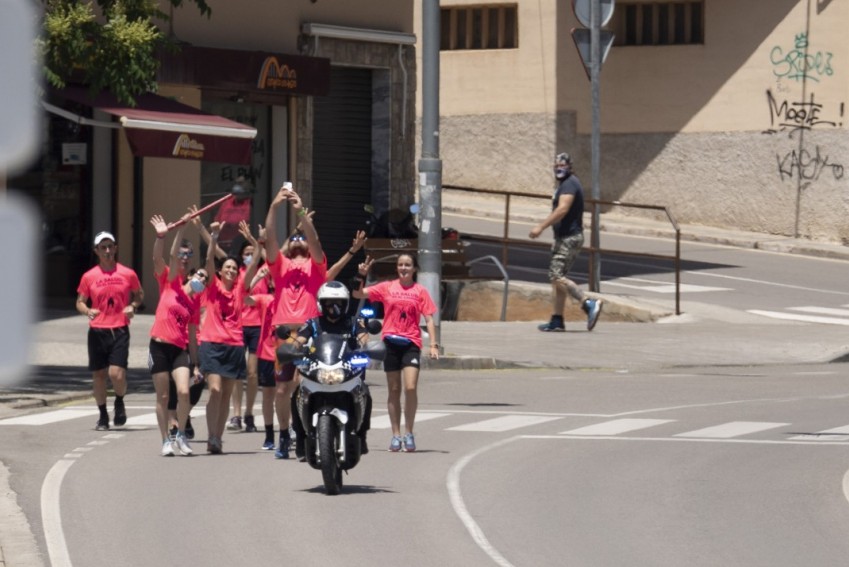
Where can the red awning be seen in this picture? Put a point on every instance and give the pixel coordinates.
(161, 127)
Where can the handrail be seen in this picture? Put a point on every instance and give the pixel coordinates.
(594, 253)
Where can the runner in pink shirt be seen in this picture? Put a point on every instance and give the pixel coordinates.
(297, 277)
(404, 303)
(114, 293)
(222, 353)
(173, 345)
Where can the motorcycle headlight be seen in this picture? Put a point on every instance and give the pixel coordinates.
(330, 376)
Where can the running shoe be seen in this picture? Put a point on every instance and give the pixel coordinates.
(282, 451)
(183, 444)
(268, 445)
(593, 310)
(409, 443)
(102, 424)
(235, 423)
(120, 413)
(395, 444)
(167, 448)
(213, 445)
(249, 424)
(554, 326)
(190, 431)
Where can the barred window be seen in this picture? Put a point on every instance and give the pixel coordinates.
(658, 23)
(479, 27)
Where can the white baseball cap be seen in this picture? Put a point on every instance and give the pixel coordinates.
(101, 236)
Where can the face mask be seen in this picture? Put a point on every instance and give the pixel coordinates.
(196, 285)
(246, 260)
(561, 172)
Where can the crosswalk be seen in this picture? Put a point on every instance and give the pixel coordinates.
(602, 427)
(809, 314)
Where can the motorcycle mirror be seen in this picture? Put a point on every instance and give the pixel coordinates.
(283, 332)
(374, 326)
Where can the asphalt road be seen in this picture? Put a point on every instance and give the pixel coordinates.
(730, 465)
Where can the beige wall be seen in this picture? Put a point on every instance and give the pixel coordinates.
(687, 127)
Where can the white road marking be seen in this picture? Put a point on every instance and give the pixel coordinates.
(822, 311)
(51, 514)
(50, 417)
(617, 426)
(732, 429)
(505, 423)
(382, 422)
(800, 318)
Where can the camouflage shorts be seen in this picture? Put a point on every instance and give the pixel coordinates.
(564, 251)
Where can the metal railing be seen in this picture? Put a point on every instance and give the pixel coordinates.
(594, 253)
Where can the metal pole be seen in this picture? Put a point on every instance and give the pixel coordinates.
(595, 70)
(430, 166)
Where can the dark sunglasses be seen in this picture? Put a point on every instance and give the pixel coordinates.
(297, 237)
(184, 254)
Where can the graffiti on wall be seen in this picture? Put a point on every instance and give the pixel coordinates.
(799, 63)
(796, 115)
(787, 115)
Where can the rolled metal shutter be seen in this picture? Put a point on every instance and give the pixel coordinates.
(342, 162)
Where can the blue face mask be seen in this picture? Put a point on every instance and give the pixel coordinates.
(196, 285)
(561, 172)
(246, 260)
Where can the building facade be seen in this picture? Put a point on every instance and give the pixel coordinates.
(729, 113)
(328, 88)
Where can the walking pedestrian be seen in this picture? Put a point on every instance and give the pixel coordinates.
(173, 345)
(566, 219)
(404, 303)
(109, 295)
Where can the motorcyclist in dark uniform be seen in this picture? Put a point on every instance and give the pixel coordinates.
(333, 299)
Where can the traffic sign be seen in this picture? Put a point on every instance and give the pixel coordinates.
(583, 11)
(581, 37)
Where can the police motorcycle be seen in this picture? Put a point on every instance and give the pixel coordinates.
(331, 400)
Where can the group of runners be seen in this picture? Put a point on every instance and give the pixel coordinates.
(218, 325)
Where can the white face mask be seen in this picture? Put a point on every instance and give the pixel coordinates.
(561, 172)
(196, 285)
(246, 260)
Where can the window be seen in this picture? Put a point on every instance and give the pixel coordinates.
(479, 27)
(659, 23)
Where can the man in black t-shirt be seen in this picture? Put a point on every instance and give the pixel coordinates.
(566, 219)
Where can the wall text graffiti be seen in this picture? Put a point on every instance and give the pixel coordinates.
(799, 63)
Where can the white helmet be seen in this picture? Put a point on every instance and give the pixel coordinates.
(333, 299)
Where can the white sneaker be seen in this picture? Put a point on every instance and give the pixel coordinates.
(182, 444)
(167, 448)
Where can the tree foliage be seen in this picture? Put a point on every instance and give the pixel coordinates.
(115, 50)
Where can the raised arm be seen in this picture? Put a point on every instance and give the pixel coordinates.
(245, 231)
(204, 234)
(272, 245)
(314, 244)
(161, 228)
(360, 291)
(215, 231)
(356, 244)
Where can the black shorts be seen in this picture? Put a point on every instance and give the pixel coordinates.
(250, 336)
(398, 357)
(265, 373)
(165, 357)
(108, 347)
(227, 361)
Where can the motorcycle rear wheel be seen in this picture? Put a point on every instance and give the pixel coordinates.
(327, 435)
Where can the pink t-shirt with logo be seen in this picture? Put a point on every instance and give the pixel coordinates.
(110, 292)
(250, 313)
(222, 322)
(295, 288)
(267, 347)
(402, 308)
(174, 312)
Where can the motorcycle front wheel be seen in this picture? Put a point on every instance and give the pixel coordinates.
(328, 450)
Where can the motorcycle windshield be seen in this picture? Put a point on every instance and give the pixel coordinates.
(329, 348)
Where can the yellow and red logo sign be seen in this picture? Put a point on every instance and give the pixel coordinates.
(188, 148)
(274, 76)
